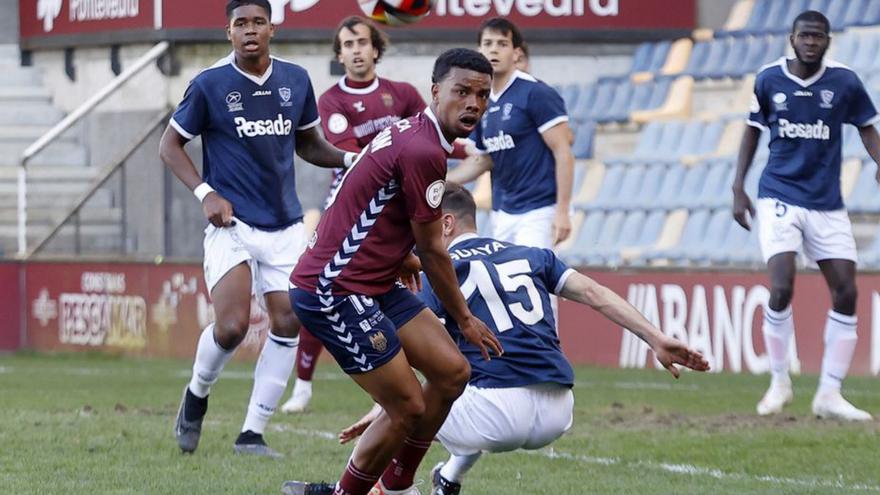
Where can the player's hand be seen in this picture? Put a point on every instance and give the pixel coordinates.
(217, 210)
(410, 273)
(477, 333)
(561, 226)
(360, 426)
(670, 352)
(741, 205)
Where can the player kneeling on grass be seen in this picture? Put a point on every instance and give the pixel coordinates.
(523, 399)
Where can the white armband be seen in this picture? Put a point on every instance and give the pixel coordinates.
(348, 159)
(202, 190)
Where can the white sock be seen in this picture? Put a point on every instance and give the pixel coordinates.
(840, 344)
(778, 328)
(302, 386)
(209, 362)
(458, 465)
(270, 380)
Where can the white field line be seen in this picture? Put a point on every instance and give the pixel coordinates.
(640, 466)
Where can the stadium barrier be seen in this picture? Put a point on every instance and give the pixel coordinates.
(147, 309)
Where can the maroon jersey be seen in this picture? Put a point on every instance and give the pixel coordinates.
(358, 114)
(364, 236)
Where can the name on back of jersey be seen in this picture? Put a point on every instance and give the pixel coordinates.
(792, 130)
(500, 142)
(484, 250)
(251, 128)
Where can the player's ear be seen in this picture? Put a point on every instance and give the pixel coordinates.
(228, 32)
(435, 91)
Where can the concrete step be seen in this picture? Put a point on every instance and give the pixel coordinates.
(20, 76)
(57, 154)
(12, 94)
(50, 174)
(50, 216)
(93, 238)
(58, 200)
(31, 113)
(10, 55)
(29, 133)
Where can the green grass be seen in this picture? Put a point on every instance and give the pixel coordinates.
(77, 424)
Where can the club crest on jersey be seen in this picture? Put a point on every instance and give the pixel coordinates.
(379, 342)
(359, 106)
(285, 94)
(779, 100)
(505, 112)
(826, 95)
(388, 100)
(233, 101)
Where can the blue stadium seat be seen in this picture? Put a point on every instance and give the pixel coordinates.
(649, 141)
(609, 188)
(871, 14)
(690, 236)
(774, 15)
(645, 197)
(854, 12)
(604, 94)
(757, 17)
(659, 55)
(585, 239)
(641, 61)
(570, 94)
(580, 110)
(732, 63)
(583, 141)
(671, 188)
(658, 93)
(835, 12)
(688, 142)
(845, 47)
(608, 247)
(693, 182)
(618, 109)
(795, 7)
(629, 187)
(646, 236)
(733, 241)
(606, 236)
(715, 55)
(712, 239)
(697, 58)
(749, 252)
(641, 98)
(711, 136)
(713, 193)
(866, 54)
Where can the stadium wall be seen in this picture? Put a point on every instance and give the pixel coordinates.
(158, 309)
(10, 307)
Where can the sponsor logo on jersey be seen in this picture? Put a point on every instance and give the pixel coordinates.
(500, 142)
(779, 100)
(826, 95)
(285, 93)
(505, 114)
(803, 92)
(262, 92)
(251, 128)
(504, 8)
(792, 130)
(233, 101)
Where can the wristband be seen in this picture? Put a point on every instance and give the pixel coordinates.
(348, 159)
(202, 190)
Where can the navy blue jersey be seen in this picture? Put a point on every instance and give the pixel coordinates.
(524, 170)
(248, 127)
(508, 287)
(805, 119)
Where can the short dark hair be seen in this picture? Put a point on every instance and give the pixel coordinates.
(234, 4)
(811, 16)
(504, 27)
(525, 49)
(460, 57)
(378, 38)
(459, 201)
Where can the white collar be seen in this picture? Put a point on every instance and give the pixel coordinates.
(803, 82)
(443, 142)
(358, 91)
(259, 81)
(513, 77)
(463, 237)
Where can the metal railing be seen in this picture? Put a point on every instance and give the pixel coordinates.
(145, 60)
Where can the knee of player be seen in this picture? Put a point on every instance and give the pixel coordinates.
(454, 382)
(231, 330)
(407, 414)
(780, 297)
(845, 295)
(285, 324)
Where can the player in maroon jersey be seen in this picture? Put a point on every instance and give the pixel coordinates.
(352, 112)
(346, 288)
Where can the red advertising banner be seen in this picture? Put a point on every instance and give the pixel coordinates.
(10, 307)
(138, 309)
(159, 310)
(122, 19)
(719, 314)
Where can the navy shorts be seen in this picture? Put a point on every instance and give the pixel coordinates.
(359, 331)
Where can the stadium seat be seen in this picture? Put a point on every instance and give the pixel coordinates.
(871, 14)
(569, 94)
(738, 17)
(646, 195)
(757, 17)
(583, 141)
(618, 107)
(670, 189)
(579, 112)
(595, 173)
(659, 93)
(678, 56)
(711, 241)
(614, 236)
(692, 184)
(698, 57)
(640, 100)
(835, 13)
(629, 187)
(605, 89)
(734, 240)
(577, 222)
(854, 12)
(609, 188)
(676, 105)
(691, 235)
(748, 253)
(586, 238)
(715, 192)
(647, 236)
(641, 61)
(783, 23)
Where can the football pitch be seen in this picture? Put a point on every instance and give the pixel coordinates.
(86, 424)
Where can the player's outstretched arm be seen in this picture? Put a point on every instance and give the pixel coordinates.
(871, 140)
(217, 209)
(741, 201)
(313, 148)
(470, 168)
(669, 351)
(557, 138)
(438, 267)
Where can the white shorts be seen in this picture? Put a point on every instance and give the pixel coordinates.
(505, 419)
(532, 228)
(787, 228)
(271, 255)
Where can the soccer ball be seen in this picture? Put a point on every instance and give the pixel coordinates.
(396, 12)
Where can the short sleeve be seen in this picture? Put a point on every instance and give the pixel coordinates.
(334, 122)
(309, 117)
(423, 178)
(191, 117)
(758, 107)
(546, 107)
(552, 270)
(415, 102)
(860, 110)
